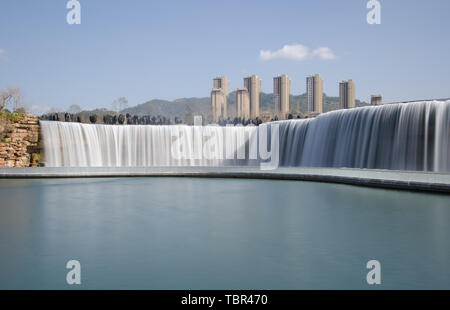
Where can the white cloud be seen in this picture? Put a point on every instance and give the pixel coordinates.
(297, 52)
(324, 53)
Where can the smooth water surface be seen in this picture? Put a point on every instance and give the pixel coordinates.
(187, 233)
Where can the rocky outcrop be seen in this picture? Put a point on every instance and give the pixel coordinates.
(19, 144)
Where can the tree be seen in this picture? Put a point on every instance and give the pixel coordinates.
(93, 118)
(74, 109)
(11, 98)
(120, 104)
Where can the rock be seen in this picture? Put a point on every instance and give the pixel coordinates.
(19, 142)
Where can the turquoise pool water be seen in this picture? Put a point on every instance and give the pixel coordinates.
(187, 233)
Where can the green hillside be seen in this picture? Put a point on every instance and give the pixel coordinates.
(186, 107)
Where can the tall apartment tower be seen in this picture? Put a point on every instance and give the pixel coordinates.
(253, 86)
(218, 104)
(221, 82)
(242, 103)
(314, 93)
(376, 100)
(281, 93)
(219, 98)
(347, 94)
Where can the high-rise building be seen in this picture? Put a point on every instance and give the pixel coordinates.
(375, 100)
(347, 94)
(253, 86)
(219, 98)
(314, 93)
(218, 104)
(281, 93)
(242, 103)
(221, 82)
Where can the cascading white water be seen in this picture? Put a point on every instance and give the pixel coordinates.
(86, 145)
(407, 136)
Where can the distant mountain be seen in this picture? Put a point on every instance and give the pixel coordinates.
(179, 107)
(185, 108)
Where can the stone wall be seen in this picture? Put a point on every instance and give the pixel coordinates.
(19, 144)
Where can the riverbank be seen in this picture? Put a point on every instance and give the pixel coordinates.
(403, 180)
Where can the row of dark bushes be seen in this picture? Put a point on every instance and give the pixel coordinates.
(128, 119)
(109, 119)
(239, 121)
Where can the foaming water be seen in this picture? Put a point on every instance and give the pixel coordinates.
(86, 145)
(408, 136)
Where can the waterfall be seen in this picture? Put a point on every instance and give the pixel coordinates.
(87, 145)
(406, 136)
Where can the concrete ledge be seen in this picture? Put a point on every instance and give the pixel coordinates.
(404, 180)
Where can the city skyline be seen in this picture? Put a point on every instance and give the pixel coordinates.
(248, 98)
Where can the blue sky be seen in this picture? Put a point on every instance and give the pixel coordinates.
(144, 49)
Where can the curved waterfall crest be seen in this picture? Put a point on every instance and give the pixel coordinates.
(406, 136)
